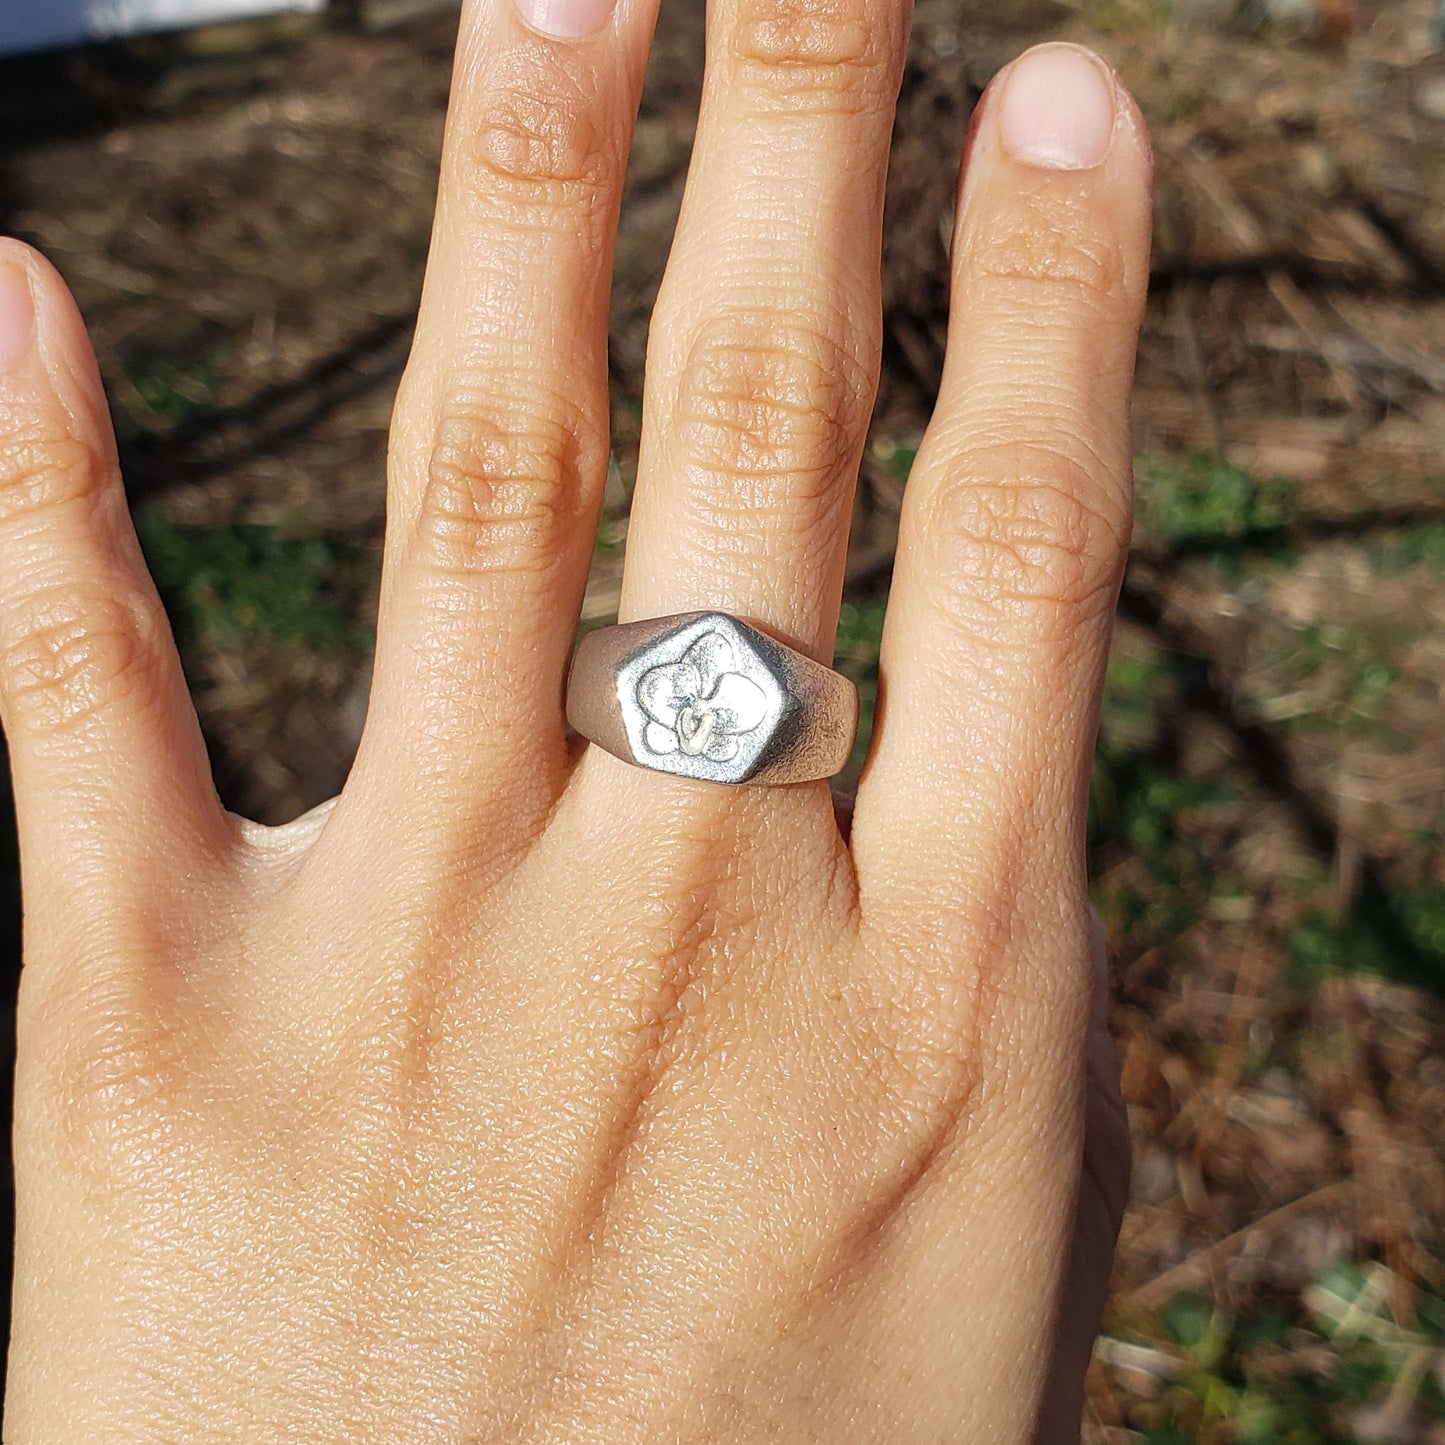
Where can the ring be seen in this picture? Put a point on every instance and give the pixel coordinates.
(707, 696)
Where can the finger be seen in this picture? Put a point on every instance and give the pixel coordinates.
(764, 358)
(1016, 520)
(500, 449)
(107, 755)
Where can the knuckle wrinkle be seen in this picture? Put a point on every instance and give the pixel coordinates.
(1032, 247)
(776, 410)
(541, 147)
(496, 495)
(798, 51)
(804, 34)
(1028, 530)
(42, 471)
(72, 657)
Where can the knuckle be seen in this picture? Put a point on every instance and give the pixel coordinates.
(72, 655)
(772, 410)
(539, 145)
(1023, 526)
(799, 51)
(1047, 244)
(43, 470)
(498, 491)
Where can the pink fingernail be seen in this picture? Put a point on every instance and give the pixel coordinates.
(565, 19)
(17, 315)
(1058, 109)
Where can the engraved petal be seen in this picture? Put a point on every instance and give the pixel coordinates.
(740, 704)
(712, 656)
(664, 692)
(660, 739)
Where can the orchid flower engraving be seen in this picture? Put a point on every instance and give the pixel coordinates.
(700, 705)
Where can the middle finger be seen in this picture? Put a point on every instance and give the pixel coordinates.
(763, 363)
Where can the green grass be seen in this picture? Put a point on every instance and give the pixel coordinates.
(1355, 669)
(241, 583)
(1144, 806)
(1126, 17)
(860, 635)
(1422, 545)
(1399, 933)
(1207, 503)
(1299, 1370)
(166, 388)
(896, 454)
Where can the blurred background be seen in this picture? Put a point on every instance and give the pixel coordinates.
(243, 212)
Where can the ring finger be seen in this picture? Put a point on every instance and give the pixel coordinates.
(764, 356)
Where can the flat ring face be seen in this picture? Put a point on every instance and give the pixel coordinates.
(706, 695)
(703, 700)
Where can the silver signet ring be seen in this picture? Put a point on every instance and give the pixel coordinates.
(707, 696)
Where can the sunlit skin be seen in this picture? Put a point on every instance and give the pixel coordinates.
(520, 1094)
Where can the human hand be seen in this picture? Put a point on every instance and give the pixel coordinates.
(521, 1095)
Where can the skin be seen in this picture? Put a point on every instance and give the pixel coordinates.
(518, 1094)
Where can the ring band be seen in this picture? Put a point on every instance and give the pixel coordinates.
(705, 695)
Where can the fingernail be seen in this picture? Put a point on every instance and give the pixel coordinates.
(565, 19)
(17, 314)
(1058, 109)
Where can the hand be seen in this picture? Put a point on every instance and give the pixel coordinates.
(521, 1095)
